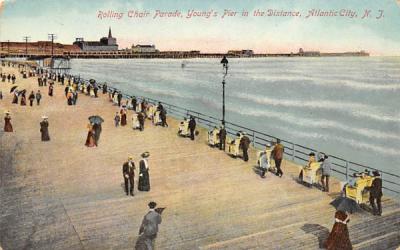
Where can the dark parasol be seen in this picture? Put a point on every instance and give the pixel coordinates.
(160, 209)
(13, 88)
(96, 119)
(345, 204)
(22, 92)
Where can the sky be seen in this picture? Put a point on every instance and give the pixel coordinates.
(267, 34)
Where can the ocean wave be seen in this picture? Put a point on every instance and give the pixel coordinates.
(353, 108)
(318, 123)
(350, 142)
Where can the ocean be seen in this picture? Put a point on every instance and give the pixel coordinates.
(343, 106)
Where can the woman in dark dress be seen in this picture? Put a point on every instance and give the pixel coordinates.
(23, 100)
(339, 238)
(144, 178)
(7, 122)
(44, 129)
(90, 140)
(123, 117)
(15, 99)
(51, 90)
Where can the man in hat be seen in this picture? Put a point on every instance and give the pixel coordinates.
(38, 97)
(128, 172)
(119, 98)
(44, 128)
(277, 155)
(326, 172)
(149, 228)
(31, 98)
(144, 177)
(244, 145)
(140, 117)
(222, 137)
(192, 127)
(375, 193)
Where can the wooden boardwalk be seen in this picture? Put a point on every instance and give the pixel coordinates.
(62, 195)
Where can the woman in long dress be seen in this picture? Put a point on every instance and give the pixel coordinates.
(7, 123)
(23, 100)
(15, 99)
(44, 129)
(339, 237)
(144, 178)
(123, 117)
(90, 140)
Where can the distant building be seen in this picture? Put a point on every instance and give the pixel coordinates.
(241, 53)
(309, 53)
(138, 48)
(105, 44)
(36, 48)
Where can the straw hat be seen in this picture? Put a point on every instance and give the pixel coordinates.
(7, 112)
(44, 117)
(130, 157)
(145, 154)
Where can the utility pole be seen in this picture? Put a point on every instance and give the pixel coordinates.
(26, 38)
(52, 37)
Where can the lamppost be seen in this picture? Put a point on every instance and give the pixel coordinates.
(224, 63)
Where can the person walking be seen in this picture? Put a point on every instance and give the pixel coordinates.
(144, 178)
(133, 103)
(326, 172)
(149, 229)
(265, 160)
(7, 122)
(51, 89)
(244, 145)
(117, 119)
(119, 97)
(128, 172)
(13, 78)
(339, 238)
(277, 155)
(97, 131)
(140, 117)
(192, 127)
(375, 194)
(38, 97)
(222, 137)
(90, 141)
(105, 88)
(31, 98)
(23, 99)
(44, 129)
(163, 117)
(123, 116)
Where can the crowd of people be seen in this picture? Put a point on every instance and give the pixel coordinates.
(142, 110)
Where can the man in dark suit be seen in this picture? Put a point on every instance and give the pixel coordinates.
(141, 120)
(244, 145)
(375, 194)
(192, 127)
(128, 172)
(149, 228)
(222, 138)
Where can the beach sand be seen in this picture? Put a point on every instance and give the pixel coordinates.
(63, 195)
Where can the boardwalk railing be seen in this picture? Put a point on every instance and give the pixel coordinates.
(341, 168)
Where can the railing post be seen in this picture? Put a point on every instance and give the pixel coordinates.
(254, 139)
(293, 152)
(347, 171)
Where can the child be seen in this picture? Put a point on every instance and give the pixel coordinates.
(117, 119)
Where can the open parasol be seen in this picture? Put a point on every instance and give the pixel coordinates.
(160, 209)
(92, 81)
(345, 204)
(13, 88)
(96, 119)
(22, 92)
